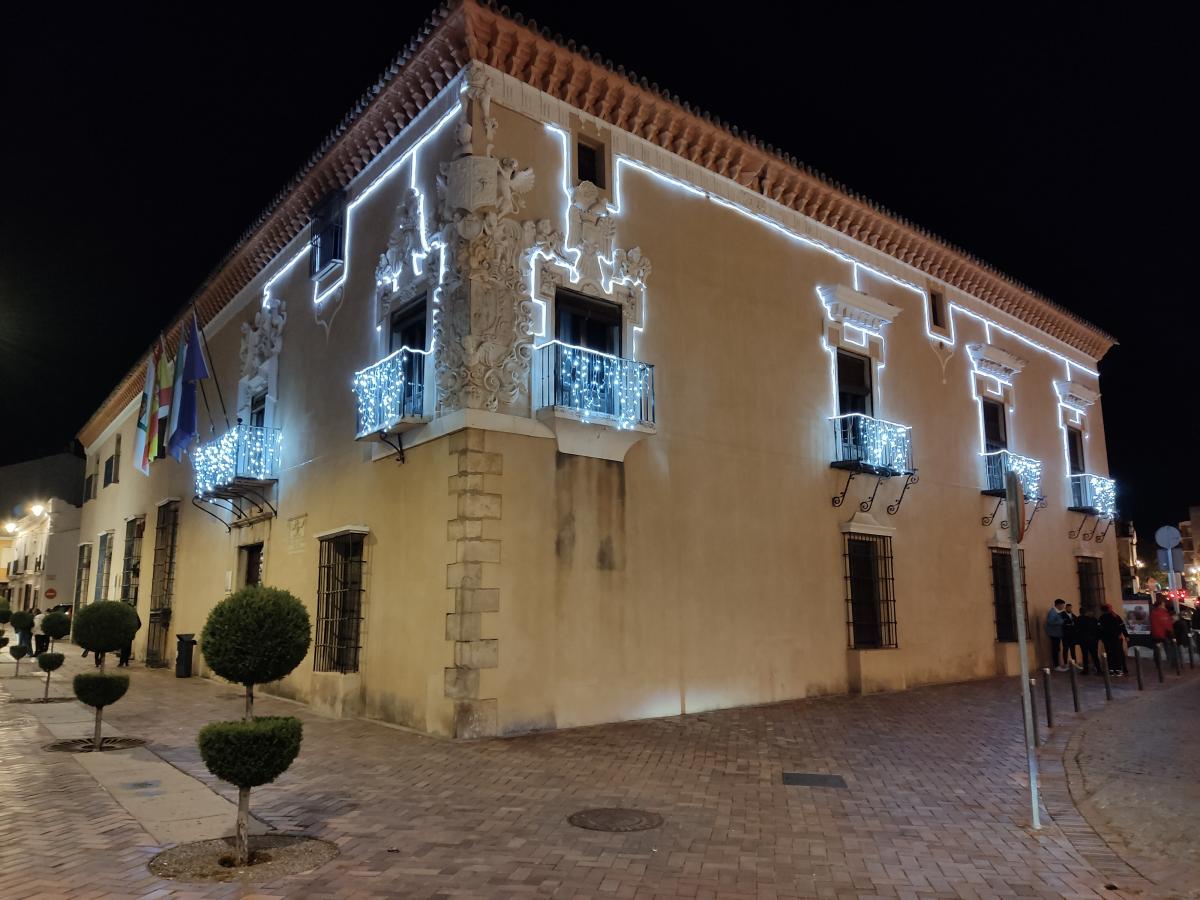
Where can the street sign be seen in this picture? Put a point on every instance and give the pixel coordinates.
(1167, 537)
(1174, 563)
(50, 594)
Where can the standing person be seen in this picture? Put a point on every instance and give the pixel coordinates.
(1070, 638)
(1181, 634)
(41, 641)
(127, 650)
(1087, 629)
(1112, 629)
(1054, 631)
(1161, 626)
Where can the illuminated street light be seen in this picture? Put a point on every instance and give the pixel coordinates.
(10, 527)
(37, 509)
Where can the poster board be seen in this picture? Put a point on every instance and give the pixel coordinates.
(1137, 615)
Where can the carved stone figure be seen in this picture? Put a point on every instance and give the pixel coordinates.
(264, 339)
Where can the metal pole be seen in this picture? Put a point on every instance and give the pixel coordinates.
(1104, 667)
(1049, 708)
(1158, 662)
(1074, 686)
(1178, 658)
(1137, 665)
(1014, 556)
(1037, 739)
(1191, 654)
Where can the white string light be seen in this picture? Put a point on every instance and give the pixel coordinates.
(598, 385)
(385, 394)
(245, 451)
(1028, 469)
(876, 442)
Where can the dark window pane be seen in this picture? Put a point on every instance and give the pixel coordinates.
(1075, 450)
(995, 434)
(586, 322)
(854, 384)
(591, 167)
(937, 309)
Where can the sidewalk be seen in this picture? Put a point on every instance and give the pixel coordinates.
(935, 803)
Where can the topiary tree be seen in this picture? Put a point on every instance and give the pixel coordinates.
(56, 626)
(98, 690)
(5, 615)
(49, 662)
(22, 623)
(18, 652)
(105, 627)
(254, 636)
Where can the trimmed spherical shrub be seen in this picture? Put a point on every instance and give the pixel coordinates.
(5, 615)
(18, 651)
(22, 621)
(3, 641)
(256, 635)
(250, 753)
(106, 626)
(100, 689)
(50, 662)
(56, 625)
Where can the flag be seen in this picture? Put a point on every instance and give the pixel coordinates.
(141, 461)
(165, 380)
(189, 368)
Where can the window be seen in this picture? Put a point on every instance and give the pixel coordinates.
(1002, 594)
(854, 384)
(109, 471)
(162, 580)
(250, 565)
(1075, 451)
(870, 600)
(589, 159)
(103, 565)
(995, 433)
(585, 322)
(325, 242)
(407, 329)
(937, 309)
(1091, 584)
(28, 601)
(339, 603)
(131, 571)
(82, 570)
(89, 482)
(258, 409)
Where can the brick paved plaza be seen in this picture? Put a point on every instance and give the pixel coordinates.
(935, 803)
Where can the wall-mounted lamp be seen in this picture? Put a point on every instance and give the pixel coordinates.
(10, 527)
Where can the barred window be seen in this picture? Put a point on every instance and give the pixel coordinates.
(131, 571)
(1002, 593)
(339, 603)
(166, 529)
(1091, 584)
(82, 570)
(870, 596)
(103, 565)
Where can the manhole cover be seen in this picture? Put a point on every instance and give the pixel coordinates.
(84, 745)
(615, 819)
(814, 779)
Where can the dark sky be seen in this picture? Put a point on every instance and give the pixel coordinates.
(137, 145)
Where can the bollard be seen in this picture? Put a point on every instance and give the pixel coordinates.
(1049, 706)
(1104, 667)
(1137, 665)
(1191, 656)
(1158, 662)
(1033, 709)
(1074, 687)
(1178, 658)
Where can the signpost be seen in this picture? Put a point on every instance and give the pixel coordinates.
(50, 594)
(1015, 498)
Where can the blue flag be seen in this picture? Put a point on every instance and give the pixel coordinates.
(189, 368)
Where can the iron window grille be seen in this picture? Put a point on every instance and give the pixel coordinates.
(1091, 584)
(870, 592)
(131, 570)
(82, 570)
(104, 565)
(1002, 594)
(326, 237)
(162, 582)
(339, 603)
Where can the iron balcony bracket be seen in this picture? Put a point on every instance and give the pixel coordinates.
(1040, 504)
(398, 446)
(1082, 522)
(988, 519)
(203, 507)
(866, 505)
(262, 502)
(1095, 525)
(894, 508)
(840, 498)
(1104, 533)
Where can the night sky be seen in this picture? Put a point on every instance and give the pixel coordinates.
(1054, 144)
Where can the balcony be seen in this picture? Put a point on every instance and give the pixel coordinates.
(390, 395)
(999, 463)
(597, 404)
(873, 446)
(243, 460)
(1094, 495)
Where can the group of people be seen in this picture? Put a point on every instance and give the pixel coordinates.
(1085, 633)
(34, 640)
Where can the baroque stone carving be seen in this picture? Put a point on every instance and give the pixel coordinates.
(405, 240)
(991, 360)
(263, 340)
(850, 307)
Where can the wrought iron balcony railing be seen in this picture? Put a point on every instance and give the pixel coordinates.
(245, 452)
(1000, 462)
(1094, 494)
(865, 444)
(595, 386)
(390, 391)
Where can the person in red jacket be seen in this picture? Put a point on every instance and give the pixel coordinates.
(1161, 625)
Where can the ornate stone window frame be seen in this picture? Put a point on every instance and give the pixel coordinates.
(262, 343)
(589, 131)
(854, 322)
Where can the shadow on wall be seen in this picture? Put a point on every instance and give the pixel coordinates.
(590, 508)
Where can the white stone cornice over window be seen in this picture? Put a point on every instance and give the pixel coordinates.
(1075, 395)
(988, 359)
(847, 306)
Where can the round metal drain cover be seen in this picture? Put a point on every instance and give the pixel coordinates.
(615, 819)
(84, 745)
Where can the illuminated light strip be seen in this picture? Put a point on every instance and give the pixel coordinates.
(988, 323)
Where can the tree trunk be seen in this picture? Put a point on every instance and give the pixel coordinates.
(46, 696)
(242, 839)
(96, 737)
(249, 703)
(18, 673)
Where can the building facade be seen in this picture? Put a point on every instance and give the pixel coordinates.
(559, 402)
(40, 558)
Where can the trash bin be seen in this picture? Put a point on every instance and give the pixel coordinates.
(183, 655)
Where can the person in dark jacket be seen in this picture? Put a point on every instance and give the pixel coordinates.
(1112, 630)
(1087, 630)
(1055, 634)
(127, 650)
(1183, 636)
(1070, 638)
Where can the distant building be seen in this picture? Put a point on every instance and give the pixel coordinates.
(558, 402)
(59, 475)
(1127, 558)
(40, 568)
(1189, 532)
